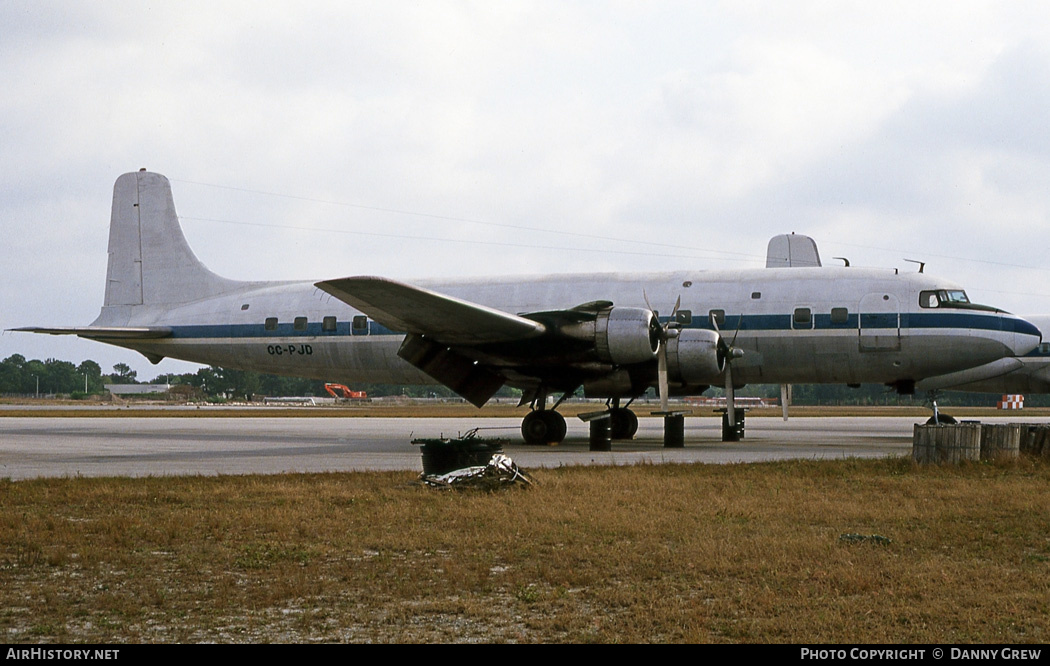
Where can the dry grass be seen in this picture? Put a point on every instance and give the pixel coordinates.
(669, 553)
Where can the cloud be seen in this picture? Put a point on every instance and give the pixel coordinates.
(697, 131)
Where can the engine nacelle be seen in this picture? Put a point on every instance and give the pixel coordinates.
(694, 357)
(626, 335)
(613, 385)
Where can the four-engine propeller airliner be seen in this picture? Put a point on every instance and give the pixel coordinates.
(545, 334)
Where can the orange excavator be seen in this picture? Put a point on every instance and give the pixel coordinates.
(336, 389)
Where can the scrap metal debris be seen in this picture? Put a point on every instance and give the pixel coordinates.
(442, 455)
(500, 472)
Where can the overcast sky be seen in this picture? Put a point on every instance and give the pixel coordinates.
(414, 139)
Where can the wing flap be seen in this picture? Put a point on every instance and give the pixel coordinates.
(403, 307)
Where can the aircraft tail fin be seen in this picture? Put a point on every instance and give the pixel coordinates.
(150, 262)
(792, 251)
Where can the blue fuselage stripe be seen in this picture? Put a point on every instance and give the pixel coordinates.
(763, 322)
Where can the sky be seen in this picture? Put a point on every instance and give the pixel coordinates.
(314, 140)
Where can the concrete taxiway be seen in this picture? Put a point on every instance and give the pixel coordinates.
(99, 446)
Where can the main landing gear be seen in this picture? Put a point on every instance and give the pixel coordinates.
(624, 422)
(543, 426)
(546, 426)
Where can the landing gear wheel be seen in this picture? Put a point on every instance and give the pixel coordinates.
(624, 423)
(543, 427)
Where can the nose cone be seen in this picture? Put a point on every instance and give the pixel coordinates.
(1024, 335)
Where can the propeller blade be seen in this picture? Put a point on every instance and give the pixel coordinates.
(739, 321)
(667, 331)
(661, 375)
(785, 399)
(730, 396)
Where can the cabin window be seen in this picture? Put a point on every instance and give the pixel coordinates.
(684, 317)
(839, 315)
(755, 295)
(803, 318)
(328, 324)
(718, 317)
(271, 324)
(244, 307)
(360, 323)
(299, 323)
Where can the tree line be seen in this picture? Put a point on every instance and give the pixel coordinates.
(19, 376)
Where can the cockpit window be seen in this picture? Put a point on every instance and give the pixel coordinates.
(944, 298)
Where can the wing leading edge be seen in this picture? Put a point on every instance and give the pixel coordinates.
(403, 307)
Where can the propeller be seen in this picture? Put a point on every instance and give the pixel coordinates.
(667, 331)
(730, 351)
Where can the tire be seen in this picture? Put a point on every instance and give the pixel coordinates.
(543, 427)
(624, 423)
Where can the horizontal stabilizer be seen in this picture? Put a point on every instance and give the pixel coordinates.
(103, 332)
(403, 307)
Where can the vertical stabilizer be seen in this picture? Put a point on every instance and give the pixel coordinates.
(150, 262)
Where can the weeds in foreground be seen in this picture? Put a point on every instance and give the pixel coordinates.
(756, 553)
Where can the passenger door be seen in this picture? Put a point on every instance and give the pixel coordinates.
(879, 322)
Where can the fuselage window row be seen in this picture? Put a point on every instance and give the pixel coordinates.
(329, 324)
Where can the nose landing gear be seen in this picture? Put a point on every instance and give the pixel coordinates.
(938, 418)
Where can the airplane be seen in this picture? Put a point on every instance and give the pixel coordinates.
(544, 334)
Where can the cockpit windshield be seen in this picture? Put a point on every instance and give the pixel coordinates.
(948, 298)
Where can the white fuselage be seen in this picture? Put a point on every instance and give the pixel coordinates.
(798, 325)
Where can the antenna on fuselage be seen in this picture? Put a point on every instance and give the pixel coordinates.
(922, 264)
(844, 260)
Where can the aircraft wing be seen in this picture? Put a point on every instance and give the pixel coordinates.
(979, 374)
(105, 332)
(403, 307)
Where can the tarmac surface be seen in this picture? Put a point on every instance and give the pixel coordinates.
(32, 447)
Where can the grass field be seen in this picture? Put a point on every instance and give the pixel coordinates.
(668, 553)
